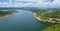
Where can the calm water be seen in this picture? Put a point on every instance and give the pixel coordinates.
(22, 21)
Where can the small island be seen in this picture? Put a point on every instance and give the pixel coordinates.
(52, 16)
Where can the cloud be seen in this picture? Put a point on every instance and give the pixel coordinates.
(53, 4)
(35, 3)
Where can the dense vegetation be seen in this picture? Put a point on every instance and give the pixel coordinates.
(53, 28)
(46, 14)
(6, 12)
(52, 15)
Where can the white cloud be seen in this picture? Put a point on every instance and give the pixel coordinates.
(39, 3)
(54, 4)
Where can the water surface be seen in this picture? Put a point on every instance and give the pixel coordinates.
(22, 21)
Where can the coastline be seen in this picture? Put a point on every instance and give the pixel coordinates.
(44, 20)
(6, 16)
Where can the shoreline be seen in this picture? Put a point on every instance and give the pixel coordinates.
(44, 20)
(6, 16)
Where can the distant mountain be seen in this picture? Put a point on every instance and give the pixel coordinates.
(22, 8)
(26, 8)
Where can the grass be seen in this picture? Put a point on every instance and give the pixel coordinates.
(53, 28)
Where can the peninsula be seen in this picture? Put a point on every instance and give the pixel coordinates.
(6, 13)
(52, 16)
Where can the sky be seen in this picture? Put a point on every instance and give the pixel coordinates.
(31, 3)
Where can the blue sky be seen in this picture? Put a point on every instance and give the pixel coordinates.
(32, 3)
(25, 0)
(48, 0)
(4, 0)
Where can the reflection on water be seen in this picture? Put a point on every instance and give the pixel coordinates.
(6, 13)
